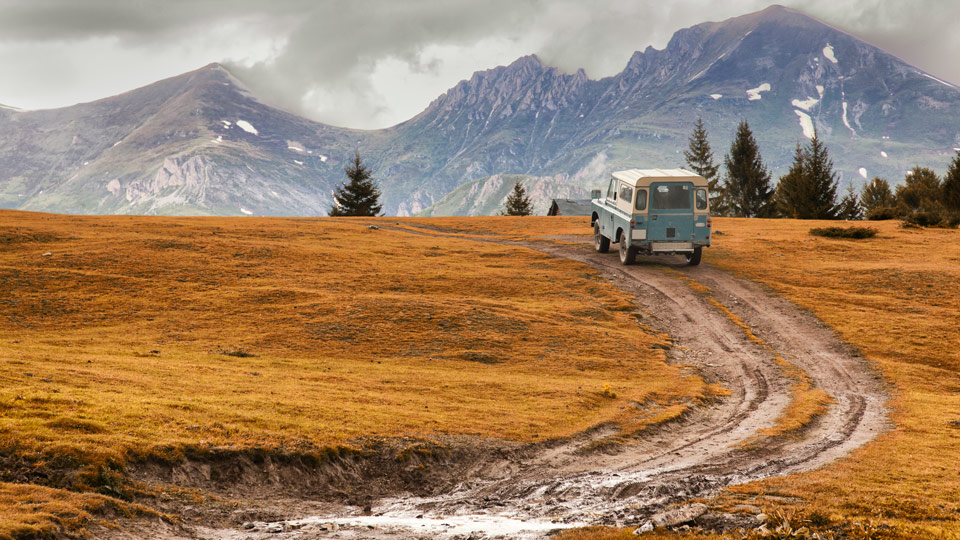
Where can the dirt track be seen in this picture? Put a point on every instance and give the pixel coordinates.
(528, 492)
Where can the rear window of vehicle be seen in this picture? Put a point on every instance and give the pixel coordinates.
(641, 199)
(701, 199)
(670, 197)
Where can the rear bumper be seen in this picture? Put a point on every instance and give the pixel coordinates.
(671, 247)
(661, 248)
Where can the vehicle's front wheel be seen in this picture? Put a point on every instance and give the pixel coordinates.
(627, 254)
(693, 259)
(600, 242)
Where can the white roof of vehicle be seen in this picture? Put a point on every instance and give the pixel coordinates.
(633, 175)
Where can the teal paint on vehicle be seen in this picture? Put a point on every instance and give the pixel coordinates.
(653, 212)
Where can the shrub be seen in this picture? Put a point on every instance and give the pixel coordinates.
(236, 351)
(930, 218)
(881, 213)
(953, 220)
(845, 232)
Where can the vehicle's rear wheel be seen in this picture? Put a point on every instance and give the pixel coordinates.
(693, 259)
(627, 254)
(600, 242)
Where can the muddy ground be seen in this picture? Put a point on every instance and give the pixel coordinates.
(473, 489)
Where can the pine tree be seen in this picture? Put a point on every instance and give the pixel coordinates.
(790, 194)
(822, 181)
(921, 192)
(518, 204)
(360, 196)
(876, 195)
(951, 185)
(809, 189)
(919, 200)
(748, 189)
(699, 158)
(849, 208)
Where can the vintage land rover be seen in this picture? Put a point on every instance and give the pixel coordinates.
(653, 212)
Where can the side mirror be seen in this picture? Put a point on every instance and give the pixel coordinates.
(595, 193)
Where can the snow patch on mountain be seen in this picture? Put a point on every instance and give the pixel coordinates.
(322, 158)
(242, 209)
(805, 104)
(862, 171)
(716, 96)
(247, 126)
(806, 124)
(845, 121)
(753, 94)
(820, 90)
(936, 79)
(882, 153)
(227, 123)
(828, 53)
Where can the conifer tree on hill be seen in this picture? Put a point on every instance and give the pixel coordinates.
(822, 180)
(921, 192)
(849, 208)
(809, 189)
(790, 190)
(747, 183)
(358, 197)
(518, 203)
(876, 195)
(920, 199)
(699, 158)
(951, 185)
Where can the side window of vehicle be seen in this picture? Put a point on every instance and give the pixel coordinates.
(626, 194)
(701, 199)
(641, 199)
(612, 190)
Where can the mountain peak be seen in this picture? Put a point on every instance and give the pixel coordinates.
(530, 60)
(776, 14)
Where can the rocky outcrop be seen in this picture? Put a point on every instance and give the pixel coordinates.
(174, 182)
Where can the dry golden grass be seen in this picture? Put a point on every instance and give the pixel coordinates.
(896, 298)
(127, 337)
(610, 533)
(518, 228)
(321, 302)
(30, 511)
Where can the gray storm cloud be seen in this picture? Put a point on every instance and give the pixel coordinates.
(324, 59)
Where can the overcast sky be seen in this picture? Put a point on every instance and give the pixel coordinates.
(374, 63)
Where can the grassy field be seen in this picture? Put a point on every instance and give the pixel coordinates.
(896, 297)
(127, 337)
(124, 338)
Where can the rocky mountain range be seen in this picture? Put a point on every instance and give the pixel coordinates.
(201, 143)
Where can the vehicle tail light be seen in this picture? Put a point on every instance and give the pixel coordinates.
(632, 223)
(709, 222)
